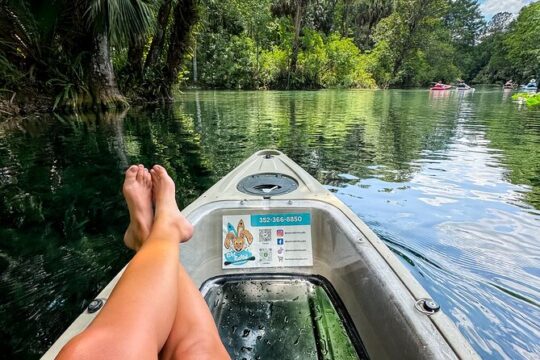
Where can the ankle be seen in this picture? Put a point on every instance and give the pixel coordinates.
(175, 225)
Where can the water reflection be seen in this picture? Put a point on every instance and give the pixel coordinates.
(62, 214)
(450, 181)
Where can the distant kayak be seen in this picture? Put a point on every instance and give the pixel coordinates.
(463, 86)
(529, 87)
(441, 87)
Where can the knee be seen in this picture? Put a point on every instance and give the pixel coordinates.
(99, 343)
(82, 346)
(202, 349)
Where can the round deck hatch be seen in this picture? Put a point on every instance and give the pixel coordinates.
(268, 184)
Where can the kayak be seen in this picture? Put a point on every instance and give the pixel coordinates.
(441, 87)
(529, 87)
(463, 87)
(306, 280)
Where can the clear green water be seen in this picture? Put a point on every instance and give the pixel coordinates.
(451, 183)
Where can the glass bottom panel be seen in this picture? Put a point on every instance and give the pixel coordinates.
(281, 317)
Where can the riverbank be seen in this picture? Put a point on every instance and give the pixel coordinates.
(17, 105)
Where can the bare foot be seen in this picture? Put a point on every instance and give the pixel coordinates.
(166, 207)
(138, 193)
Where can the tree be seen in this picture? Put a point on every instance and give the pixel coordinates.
(522, 43)
(402, 39)
(491, 63)
(360, 17)
(159, 36)
(185, 15)
(466, 24)
(498, 23)
(116, 21)
(294, 10)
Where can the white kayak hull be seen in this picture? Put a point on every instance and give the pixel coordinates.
(382, 302)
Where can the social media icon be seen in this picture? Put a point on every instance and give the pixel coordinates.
(280, 241)
(280, 232)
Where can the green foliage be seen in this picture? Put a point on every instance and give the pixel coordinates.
(491, 63)
(273, 67)
(75, 50)
(123, 20)
(228, 63)
(346, 66)
(532, 100)
(236, 52)
(522, 42)
(10, 75)
(412, 47)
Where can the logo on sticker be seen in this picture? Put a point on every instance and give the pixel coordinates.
(280, 241)
(265, 255)
(237, 241)
(280, 232)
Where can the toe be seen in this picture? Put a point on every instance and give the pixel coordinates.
(155, 172)
(160, 170)
(131, 171)
(147, 178)
(154, 175)
(140, 173)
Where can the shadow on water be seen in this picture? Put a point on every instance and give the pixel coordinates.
(450, 182)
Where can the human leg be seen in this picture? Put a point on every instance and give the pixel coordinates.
(138, 317)
(194, 334)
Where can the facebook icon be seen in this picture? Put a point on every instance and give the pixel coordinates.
(280, 241)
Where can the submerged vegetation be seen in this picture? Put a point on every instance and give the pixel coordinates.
(106, 53)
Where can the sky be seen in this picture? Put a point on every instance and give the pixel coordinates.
(491, 7)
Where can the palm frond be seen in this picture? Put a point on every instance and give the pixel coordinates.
(123, 20)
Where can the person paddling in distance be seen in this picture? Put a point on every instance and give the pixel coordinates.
(155, 310)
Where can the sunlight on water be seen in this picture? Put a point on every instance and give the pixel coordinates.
(450, 182)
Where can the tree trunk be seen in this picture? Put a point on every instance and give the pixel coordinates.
(195, 74)
(185, 15)
(135, 59)
(102, 81)
(296, 41)
(157, 42)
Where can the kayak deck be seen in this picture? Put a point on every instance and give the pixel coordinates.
(281, 316)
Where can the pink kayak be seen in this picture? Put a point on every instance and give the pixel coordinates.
(441, 87)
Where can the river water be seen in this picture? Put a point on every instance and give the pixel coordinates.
(450, 182)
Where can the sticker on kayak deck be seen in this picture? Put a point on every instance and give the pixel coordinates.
(267, 240)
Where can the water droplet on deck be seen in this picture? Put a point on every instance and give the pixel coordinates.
(246, 348)
(324, 348)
